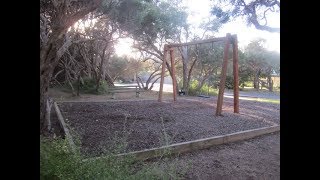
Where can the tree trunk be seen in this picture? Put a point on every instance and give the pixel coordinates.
(184, 54)
(97, 85)
(256, 81)
(135, 77)
(170, 72)
(153, 75)
(270, 83)
(201, 83)
(109, 80)
(50, 55)
(48, 115)
(78, 88)
(44, 84)
(55, 47)
(140, 83)
(185, 78)
(189, 76)
(154, 82)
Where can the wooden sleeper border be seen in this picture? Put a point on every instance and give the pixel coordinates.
(198, 144)
(65, 129)
(201, 143)
(177, 148)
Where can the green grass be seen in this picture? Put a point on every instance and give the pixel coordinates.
(58, 162)
(274, 101)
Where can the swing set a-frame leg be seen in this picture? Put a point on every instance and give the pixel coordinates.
(234, 42)
(223, 75)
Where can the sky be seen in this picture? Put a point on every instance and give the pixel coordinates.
(199, 11)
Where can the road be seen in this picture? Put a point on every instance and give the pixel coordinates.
(227, 93)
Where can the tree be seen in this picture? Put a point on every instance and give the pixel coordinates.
(186, 35)
(91, 55)
(152, 71)
(159, 25)
(272, 66)
(124, 68)
(261, 62)
(255, 11)
(245, 73)
(55, 19)
(209, 63)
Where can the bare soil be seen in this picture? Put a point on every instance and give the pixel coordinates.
(188, 119)
(144, 124)
(257, 158)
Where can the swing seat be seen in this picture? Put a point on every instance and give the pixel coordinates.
(182, 92)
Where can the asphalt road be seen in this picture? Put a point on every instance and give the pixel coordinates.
(227, 93)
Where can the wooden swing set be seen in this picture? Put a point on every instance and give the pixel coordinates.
(229, 39)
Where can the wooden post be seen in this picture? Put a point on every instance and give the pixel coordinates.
(137, 92)
(162, 73)
(235, 75)
(173, 68)
(223, 75)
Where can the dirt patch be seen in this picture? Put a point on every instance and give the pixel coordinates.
(257, 158)
(147, 124)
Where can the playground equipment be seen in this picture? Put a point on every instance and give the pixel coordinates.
(229, 39)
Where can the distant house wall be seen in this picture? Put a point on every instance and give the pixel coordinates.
(275, 79)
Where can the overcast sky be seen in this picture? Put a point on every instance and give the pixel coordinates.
(199, 11)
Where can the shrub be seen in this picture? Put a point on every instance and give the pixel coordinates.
(229, 82)
(206, 89)
(192, 88)
(88, 85)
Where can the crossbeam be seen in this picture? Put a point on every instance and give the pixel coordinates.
(197, 42)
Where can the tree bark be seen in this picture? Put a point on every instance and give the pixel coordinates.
(256, 81)
(184, 53)
(170, 72)
(154, 82)
(48, 61)
(51, 52)
(44, 85)
(109, 80)
(189, 75)
(201, 83)
(140, 83)
(270, 83)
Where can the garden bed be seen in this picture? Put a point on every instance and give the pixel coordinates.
(146, 124)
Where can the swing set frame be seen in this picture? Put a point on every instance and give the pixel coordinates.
(229, 39)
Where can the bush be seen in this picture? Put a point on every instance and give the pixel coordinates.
(192, 88)
(88, 86)
(212, 91)
(204, 90)
(229, 82)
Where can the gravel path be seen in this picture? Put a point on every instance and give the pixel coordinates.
(257, 158)
(142, 123)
